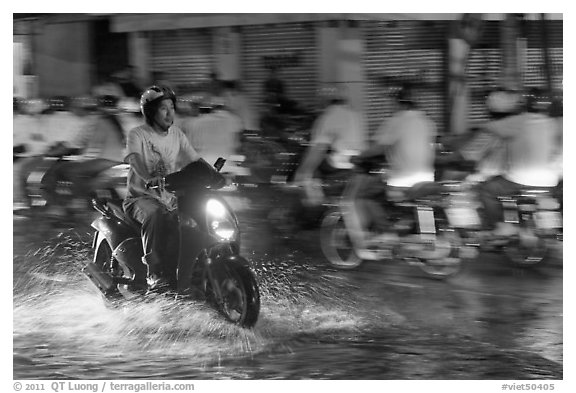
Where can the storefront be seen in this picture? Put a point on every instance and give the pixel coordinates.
(399, 51)
(181, 57)
(292, 49)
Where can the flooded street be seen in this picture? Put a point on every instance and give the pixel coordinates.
(382, 321)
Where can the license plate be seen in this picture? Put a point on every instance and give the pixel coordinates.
(548, 220)
(426, 221)
(460, 217)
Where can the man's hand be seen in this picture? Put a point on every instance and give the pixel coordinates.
(156, 182)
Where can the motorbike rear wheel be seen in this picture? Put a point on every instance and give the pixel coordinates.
(336, 243)
(237, 297)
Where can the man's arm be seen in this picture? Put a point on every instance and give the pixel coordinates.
(186, 149)
(312, 159)
(137, 165)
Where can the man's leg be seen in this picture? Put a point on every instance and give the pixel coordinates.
(151, 214)
(489, 192)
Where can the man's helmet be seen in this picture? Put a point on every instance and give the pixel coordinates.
(503, 102)
(151, 97)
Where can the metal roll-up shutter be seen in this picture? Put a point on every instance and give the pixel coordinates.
(484, 70)
(405, 50)
(184, 55)
(534, 68)
(296, 42)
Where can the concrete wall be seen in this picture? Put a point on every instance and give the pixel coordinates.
(62, 58)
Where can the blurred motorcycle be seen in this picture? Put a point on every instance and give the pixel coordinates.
(420, 222)
(536, 213)
(46, 186)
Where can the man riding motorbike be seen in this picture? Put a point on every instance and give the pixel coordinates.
(407, 141)
(154, 150)
(531, 142)
(101, 144)
(336, 136)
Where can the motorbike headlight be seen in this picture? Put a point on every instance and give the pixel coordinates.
(220, 220)
(216, 209)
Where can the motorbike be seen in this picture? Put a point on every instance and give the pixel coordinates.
(46, 186)
(422, 227)
(537, 217)
(204, 261)
(536, 213)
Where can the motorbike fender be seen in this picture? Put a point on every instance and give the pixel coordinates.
(129, 254)
(112, 230)
(192, 242)
(218, 269)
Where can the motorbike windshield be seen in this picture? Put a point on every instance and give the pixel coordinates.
(197, 174)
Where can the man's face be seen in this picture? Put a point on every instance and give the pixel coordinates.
(164, 116)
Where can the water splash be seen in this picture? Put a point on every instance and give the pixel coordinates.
(62, 325)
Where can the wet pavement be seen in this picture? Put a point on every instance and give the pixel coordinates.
(381, 321)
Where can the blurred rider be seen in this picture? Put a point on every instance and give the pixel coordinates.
(532, 144)
(101, 144)
(406, 139)
(154, 150)
(217, 133)
(336, 136)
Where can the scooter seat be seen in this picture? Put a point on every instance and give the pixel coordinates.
(417, 191)
(116, 209)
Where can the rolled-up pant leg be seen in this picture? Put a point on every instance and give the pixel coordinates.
(152, 214)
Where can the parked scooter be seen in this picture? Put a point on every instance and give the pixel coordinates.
(420, 222)
(204, 259)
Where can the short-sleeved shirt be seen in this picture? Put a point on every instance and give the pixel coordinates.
(215, 134)
(340, 127)
(532, 145)
(410, 136)
(161, 155)
(30, 131)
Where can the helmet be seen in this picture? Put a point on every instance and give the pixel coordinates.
(152, 97)
(501, 102)
(538, 101)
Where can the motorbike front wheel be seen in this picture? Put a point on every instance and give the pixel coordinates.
(336, 243)
(234, 290)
